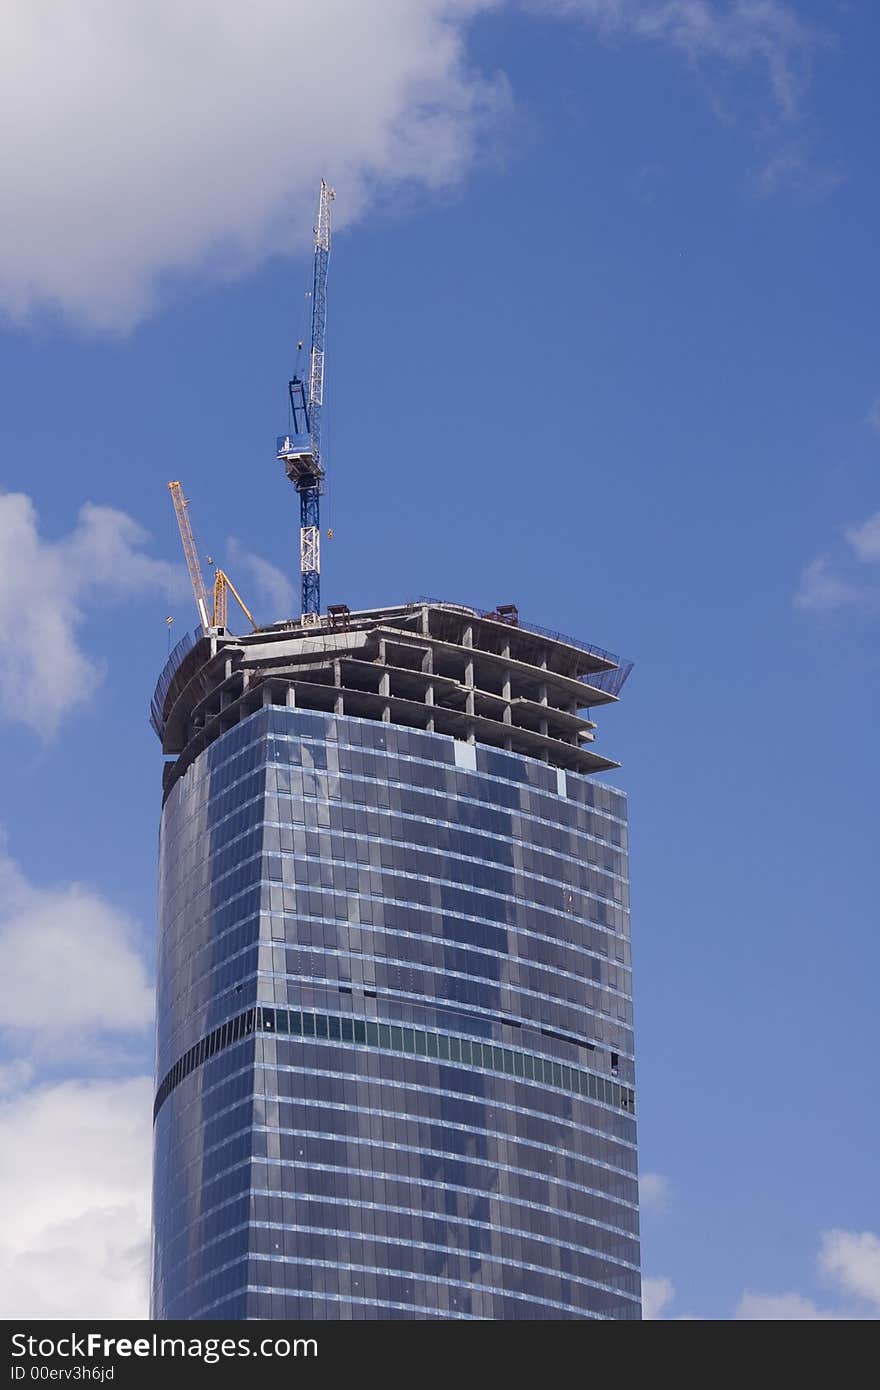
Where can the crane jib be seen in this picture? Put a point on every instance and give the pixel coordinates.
(300, 449)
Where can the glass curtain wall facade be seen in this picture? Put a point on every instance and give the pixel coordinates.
(394, 1053)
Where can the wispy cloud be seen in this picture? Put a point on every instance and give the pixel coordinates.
(755, 58)
(827, 585)
(791, 165)
(657, 1295)
(783, 1307)
(45, 589)
(766, 34)
(821, 590)
(654, 1190)
(273, 586)
(865, 539)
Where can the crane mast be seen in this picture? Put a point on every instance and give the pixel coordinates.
(300, 450)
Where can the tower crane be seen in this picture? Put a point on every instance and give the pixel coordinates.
(300, 450)
(223, 585)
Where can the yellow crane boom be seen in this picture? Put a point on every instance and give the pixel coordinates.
(223, 586)
(189, 549)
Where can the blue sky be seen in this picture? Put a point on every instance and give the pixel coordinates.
(602, 342)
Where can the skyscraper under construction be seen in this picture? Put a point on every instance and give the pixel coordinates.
(394, 1060)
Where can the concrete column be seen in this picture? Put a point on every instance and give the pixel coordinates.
(339, 702)
(291, 697)
(429, 701)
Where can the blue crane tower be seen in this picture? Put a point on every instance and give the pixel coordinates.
(300, 450)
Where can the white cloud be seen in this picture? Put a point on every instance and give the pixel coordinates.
(43, 588)
(865, 539)
(274, 587)
(657, 1294)
(74, 1153)
(850, 1262)
(69, 968)
(783, 1307)
(156, 139)
(851, 1259)
(74, 1191)
(653, 1191)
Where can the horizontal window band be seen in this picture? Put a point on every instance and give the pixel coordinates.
(267, 1291)
(373, 1242)
(438, 1126)
(213, 876)
(279, 1264)
(396, 1038)
(171, 1158)
(386, 1174)
(184, 1233)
